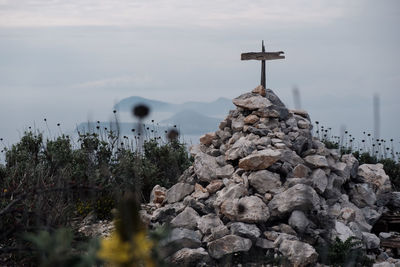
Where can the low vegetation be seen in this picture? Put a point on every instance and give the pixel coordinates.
(47, 185)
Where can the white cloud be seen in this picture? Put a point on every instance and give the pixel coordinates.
(169, 13)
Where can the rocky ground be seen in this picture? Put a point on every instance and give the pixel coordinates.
(263, 186)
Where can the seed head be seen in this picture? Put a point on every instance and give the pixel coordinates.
(172, 135)
(141, 111)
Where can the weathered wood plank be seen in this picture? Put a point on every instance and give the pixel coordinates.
(262, 56)
(392, 243)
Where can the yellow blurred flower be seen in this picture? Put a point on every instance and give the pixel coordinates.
(117, 252)
(5, 190)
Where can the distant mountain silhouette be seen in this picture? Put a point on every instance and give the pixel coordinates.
(218, 107)
(192, 119)
(190, 122)
(126, 104)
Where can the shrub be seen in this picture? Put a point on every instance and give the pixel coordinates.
(365, 158)
(60, 248)
(392, 168)
(347, 253)
(46, 183)
(169, 161)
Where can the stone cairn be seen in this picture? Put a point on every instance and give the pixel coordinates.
(263, 184)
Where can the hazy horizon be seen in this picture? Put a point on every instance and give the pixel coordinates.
(72, 61)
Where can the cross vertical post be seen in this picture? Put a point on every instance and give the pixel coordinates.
(263, 56)
(263, 78)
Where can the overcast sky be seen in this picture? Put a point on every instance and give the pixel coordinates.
(70, 61)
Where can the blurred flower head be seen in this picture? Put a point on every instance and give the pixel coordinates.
(141, 111)
(136, 252)
(172, 135)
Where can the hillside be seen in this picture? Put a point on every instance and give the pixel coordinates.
(192, 122)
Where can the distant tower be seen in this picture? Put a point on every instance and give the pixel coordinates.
(296, 98)
(376, 117)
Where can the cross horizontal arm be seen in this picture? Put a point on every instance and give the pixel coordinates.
(262, 55)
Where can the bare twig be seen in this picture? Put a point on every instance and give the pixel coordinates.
(45, 191)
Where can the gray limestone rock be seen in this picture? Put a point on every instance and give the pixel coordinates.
(197, 205)
(371, 241)
(264, 181)
(158, 194)
(293, 181)
(257, 131)
(232, 191)
(224, 135)
(384, 264)
(188, 257)
(347, 214)
(251, 101)
(207, 138)
(225, 171)
(355, 228)
(274, 98)
(298, 253)
(359, 219)
(363, 195)
(304, 124)
(320, 181)
(300, 171)
(246, 209)
(227, 245)
(205, 167)
(245, 230)
(291, 157)
(299, 221)
(301, 144)
(219, 231)
(298, 197)
(287, 229)
(316, 161)
(333, 188)
(385, 235)
(342, 169)
(207, 222)
(167, 213)
(238, 123)
(180, 238)
(188, 219)
(178, 191)
(374, 175)
(260, 160)
(343, 231)
(240, 149)
(371, 215)
(214, 186)
(264, 243)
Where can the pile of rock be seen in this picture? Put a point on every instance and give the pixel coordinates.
(263, 183)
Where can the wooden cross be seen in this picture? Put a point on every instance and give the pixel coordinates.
(263, 56)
